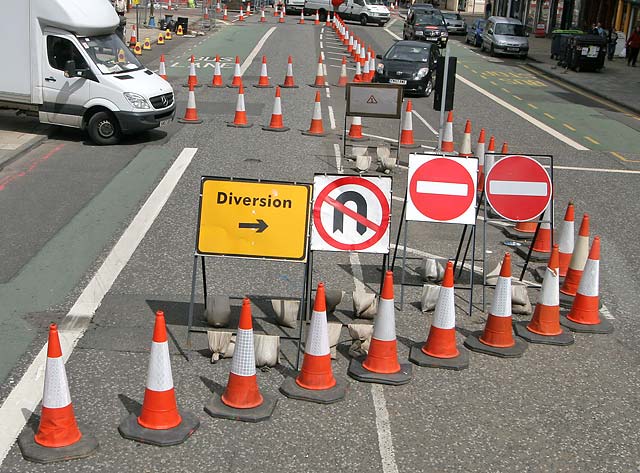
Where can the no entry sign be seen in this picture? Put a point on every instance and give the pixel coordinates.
(442, 189)
(351, 213)
(518, 188)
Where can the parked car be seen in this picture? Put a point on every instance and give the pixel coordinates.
(410, 64)
(505, 36)
(455, 23)
(427, 25)
(474, 32)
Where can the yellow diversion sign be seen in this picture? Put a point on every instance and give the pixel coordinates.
(253, 219)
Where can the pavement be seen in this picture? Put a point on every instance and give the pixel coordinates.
(18, 134)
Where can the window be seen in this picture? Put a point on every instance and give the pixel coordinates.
(509, 29)
(61, 50)
(359, 2)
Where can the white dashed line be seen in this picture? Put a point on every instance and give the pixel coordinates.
(338, 153)
(419, 117)
(332, 120)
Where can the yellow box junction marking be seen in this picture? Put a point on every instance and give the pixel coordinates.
(257, 219)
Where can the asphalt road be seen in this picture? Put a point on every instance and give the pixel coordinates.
(554, 409)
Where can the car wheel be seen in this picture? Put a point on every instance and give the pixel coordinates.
(103, 128)
(363, 20)
(322, 16)
(428, 89)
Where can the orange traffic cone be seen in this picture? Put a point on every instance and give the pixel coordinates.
(58, 437)
(358, 75)
(497, 338)
(319, 82)
(263, 81)
(447, 135)
(584, 315)
(505, 148)
(191, 113)
(193, 77)
(381, 364)
(489, 158)
(218, 7)
(315, 382)
(544, 326)
(372, 66)
(355, 131)
(281, 19)
(301, 21)
(160, 423)
(242, 399)
(316, 128)
(542, 243)
(248, 9)
(262, 17)
(217, 75)
(480, 150)
(440, 349)
(276, 123)
(362, 57)
(275, 10)
(578, 260)
(342, 81)
(162, 71)
(240, 118)
(465, 146)
(406, 134)
(366, 72)
(134, 38)
(225, 15)
(241, 16)
(328, 22)
(289, 82)
(316, 20)
(237, 75)
(528, 228)
(566, 239)
(350, 44)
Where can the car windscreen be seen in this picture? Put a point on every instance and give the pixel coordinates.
(509, 29)
(374, 2)
(428, 20)
(110, 54)
(452, 16)
(404, 52)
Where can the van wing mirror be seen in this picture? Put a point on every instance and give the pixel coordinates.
(378, 56)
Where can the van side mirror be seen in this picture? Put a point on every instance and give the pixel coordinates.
(378, 56)
(70, 68)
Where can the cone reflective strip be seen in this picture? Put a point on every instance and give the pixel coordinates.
(264, 76)
(319, 82)
(225, 16)
(585, 308)
(546, 317)
(241, 114)
(406, 135)
(162, 71)
(355, 130)
(441, 342)
(465, 146)
(301, 22)
(578, 259)
(191, 114)
(480, 150)
(497, 331)
(542, 243)
(193, 77)
(262, 18)
(447, 135)
(217, 74)
(237, 74)
(566, 239)
(288, 79)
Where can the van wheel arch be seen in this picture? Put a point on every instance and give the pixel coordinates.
(363, 19)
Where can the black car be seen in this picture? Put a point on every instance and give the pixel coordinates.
(427, 25)
(410, 64)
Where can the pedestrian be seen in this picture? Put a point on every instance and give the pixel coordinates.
(120, 6)
(633, 47)
(487, 9)
(612, 39)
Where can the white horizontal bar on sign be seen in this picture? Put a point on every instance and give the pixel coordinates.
(442, 188)
(530, 189)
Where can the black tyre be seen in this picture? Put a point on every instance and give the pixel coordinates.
(363, 20)
(103, 128)
(322, 16)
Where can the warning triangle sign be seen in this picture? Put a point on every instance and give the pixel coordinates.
(372, 99)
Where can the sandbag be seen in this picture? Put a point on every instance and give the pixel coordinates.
(361, 336)
(365, 305)
(429, 297)
(286, 311)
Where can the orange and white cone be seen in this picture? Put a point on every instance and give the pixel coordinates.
(162, 70)
(343, 80)
(577, 262)
(381, 364)
(366, 72)
(350, 44)
(372, 66)
(440, 349)
(355, 54)
(544, 326)
(237, 75)
(357, 77)
(505, 148)
(248, 9)
(193, 77)
(275, 10)
(316, 128)
(355, 130)
(316, 20)
(134, 38)
(489, 158)
(58, 436)
(289, 82)
(328, 22)
(406, 134)
(240, 117)
(497, 338)
(276, 123)
(218, 7)
(241, 16)
(315, 382)
(301, 21)
(225, 14)
(566, 239)
(191, 113)
(528, 228)
(319, 82)
(217, 75)
(447, 135)
(160, 422)
(465, 146)
(480, 150)
(584, 315)
(363, 55)
(262, 17)
(541, 246)
(242, 399)
(263, 81)
(281, 19)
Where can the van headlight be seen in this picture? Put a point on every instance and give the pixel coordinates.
(380, 68)
(137, 100)
(421, 73)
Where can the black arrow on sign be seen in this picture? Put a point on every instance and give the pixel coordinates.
(260, 226)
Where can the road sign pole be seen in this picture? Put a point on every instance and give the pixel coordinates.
(404, 263)
(472, 272)
(204, 282)
(192, 300)
(443, 95)
(400, 224)
(304, 303)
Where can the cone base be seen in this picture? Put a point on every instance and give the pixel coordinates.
(514, 234)
(268, 128)
(293, 390)
(364, 138)
(412, 146)
(221, 86)
(282, 86)
(473, 343)
(195, 86)
(233, 86)
(308, 133)
(359, 373)
(605, 326)
(130, 429)
(231, 124)
(420, 358)
(195, 122)
(33, 452)
(258, 86)
(216, 408)
(563, 340)
(338, 85)
(536, 256)
(318, 86)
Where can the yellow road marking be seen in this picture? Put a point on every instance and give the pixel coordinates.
(566, 125)
(549, 115)
(474, 71)
(493, 82)
(592, 140)
(465, 66)
(516, 97)
(506, 90)
(532, 106)
(622, 158)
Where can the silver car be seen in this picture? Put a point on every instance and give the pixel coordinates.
(455, 23)
(503, 35)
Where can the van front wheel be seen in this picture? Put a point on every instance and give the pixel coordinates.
(103, 128)
(363, 20)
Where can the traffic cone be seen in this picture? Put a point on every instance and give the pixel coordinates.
(505, 148)
(275, 10)
(497, 338)
(217, 74)
(544, 326)
(578, 260)
(191, 113)
(192, 80)
(146, 46)
(584, 315)
(162, 70)
(316, 20)
(365, 72)
(262, 17)
(316, 128)
(137, 49)
(241, 16)
(566, 239)
(134, 38)
(489, 158)
(347, 40)
(289, 82)
(237, 75)
(160, 39)
(263, 81)
(372, 66)
(363, 55)
(58, 437)
(381, 364)
(225, 16)
(358, 75)
(447, 135)
(541, 246)
(206, 14)
(528, 228)
(167, 35)
(179, 31)
(218, 7)
(248, 9)
(480, 150)
(301, 21)
(160, 422)
(355, 131)
(328, 22)
(440, 349)
(406, 134)
(315, 382)
(343, 80)
(276, 123)
(242, 399)
(350, 44)
(240, 118)
(281, 19)
(319, 82)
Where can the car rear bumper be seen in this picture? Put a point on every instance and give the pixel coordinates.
(418, 86)
(510, 50)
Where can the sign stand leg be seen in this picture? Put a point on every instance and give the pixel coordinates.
(404, 263)
(484, 251)
(192, 300)
(383, 270)
(305, 304)
(344, 140)
(443, 95)
(204, 282)
(455, 263)
(535, 235)
(399, 137)
(472, 270)
(395, 250)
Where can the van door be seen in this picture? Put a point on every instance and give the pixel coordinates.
(63, 97)
(356, 8)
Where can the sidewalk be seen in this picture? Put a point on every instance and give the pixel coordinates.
(18, 135)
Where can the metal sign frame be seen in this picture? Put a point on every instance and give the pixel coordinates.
(399, 99)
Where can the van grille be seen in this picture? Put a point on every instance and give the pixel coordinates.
(162, 101)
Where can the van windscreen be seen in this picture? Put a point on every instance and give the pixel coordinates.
(109, 54)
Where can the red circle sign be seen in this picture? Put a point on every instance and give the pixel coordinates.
(518, 188)
(442, 189)
(380, 228)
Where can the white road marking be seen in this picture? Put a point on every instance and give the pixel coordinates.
(337, 47)
(338, 54)
(356, 270)
(425, 122)
(442, 188)
(332, 119)
(390, 24)
(392, 34)
(252, 55)
(321, 45)
(328, 92)
(333, 65)
(322, 55)
(524, 188)
(338, 153)
(26, 395)
(614, 171)
(380, 137)
(321, 35)
(324, 69)
(383, 427)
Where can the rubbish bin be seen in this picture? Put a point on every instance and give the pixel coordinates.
(559, 40)
(184, 22)
(586, 52)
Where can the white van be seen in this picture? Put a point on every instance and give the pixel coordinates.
(364, 11)
(69, 68)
